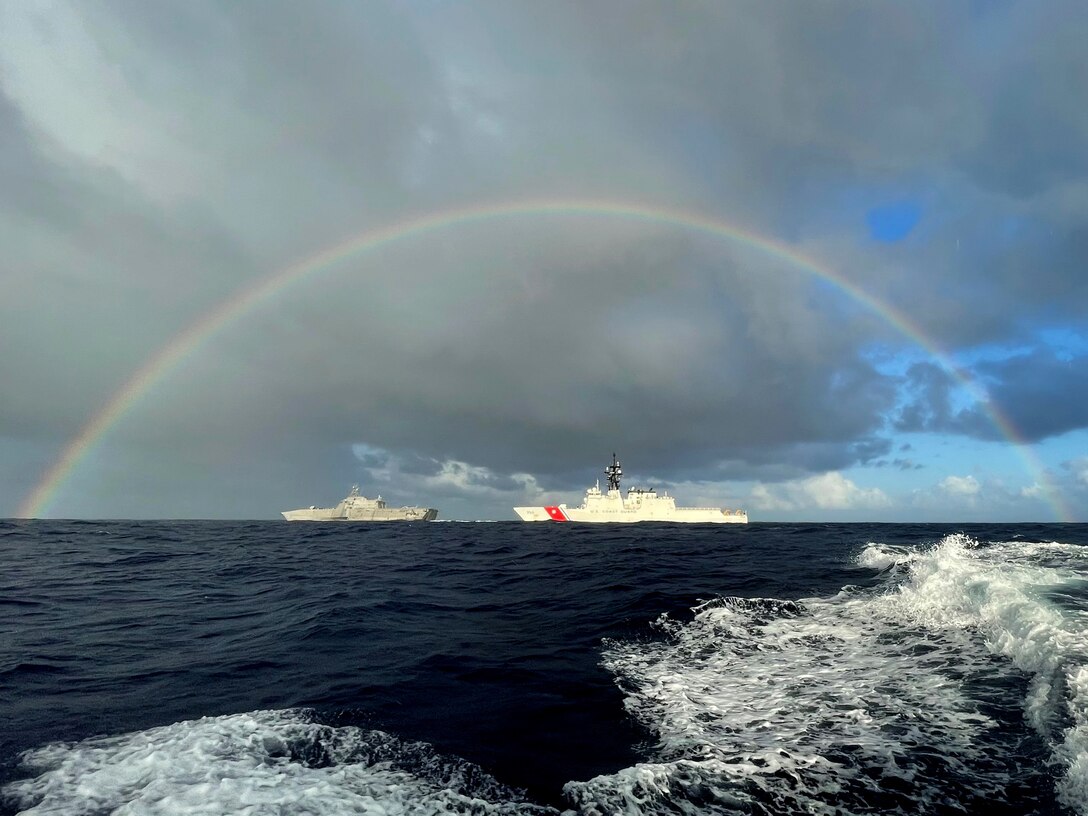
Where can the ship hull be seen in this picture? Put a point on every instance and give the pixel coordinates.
(679, 515)
(382, 514)
(640, 504)
(355, 507)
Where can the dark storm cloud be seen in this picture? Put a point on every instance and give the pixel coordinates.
(1040, 394)
(342, 86)
(798, 112)
(33, 188)
(212, 144)
(93, 276)
(517, 374)
(929, 407)
(1033, 137)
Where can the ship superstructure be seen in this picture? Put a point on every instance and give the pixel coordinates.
(359, 508)
(638, 505)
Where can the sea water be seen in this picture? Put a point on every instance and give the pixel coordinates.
(269, 668)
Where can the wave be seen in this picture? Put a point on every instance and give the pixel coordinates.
(893, 699)
(958, 683)
(882, 557)
(260, 762)
(1010, 594)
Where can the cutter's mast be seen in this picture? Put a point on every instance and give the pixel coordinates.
(613, 472)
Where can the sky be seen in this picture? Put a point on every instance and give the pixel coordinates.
(820, 261)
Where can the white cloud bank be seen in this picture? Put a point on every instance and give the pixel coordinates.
(828, 491)
(960, 485)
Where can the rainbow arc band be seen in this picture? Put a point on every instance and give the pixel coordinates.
(197, 334)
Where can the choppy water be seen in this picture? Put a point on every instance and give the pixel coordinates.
(269, 668)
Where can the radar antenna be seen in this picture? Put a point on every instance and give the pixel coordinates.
(613, 472)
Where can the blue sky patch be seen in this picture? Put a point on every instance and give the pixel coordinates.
(893, 222)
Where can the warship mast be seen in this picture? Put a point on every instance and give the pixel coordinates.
(613, 472)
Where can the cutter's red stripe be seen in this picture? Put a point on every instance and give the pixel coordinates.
(556, 513)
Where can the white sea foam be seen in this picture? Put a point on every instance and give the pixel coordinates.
(815, 707)
(882, 557)
(1003, 592)
(264, 762)
(867, 700)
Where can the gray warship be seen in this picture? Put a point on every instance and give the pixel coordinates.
(359, 508)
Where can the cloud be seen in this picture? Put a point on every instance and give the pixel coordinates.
(1039, 393)
(1033, 491)
(827, 491)
(460, 489)
(1077, 469)
(157, 161)
(1042, 394)
(960, 485)
(94, 277)
(433, 475)
(992, 495)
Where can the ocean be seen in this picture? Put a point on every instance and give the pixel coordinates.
(273, 668)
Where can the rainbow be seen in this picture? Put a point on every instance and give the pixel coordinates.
(196, 335)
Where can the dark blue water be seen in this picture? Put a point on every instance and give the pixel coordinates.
(538, 655)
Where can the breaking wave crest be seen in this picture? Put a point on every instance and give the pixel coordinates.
(895, 699)
(264, 762)
(1024, 600)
